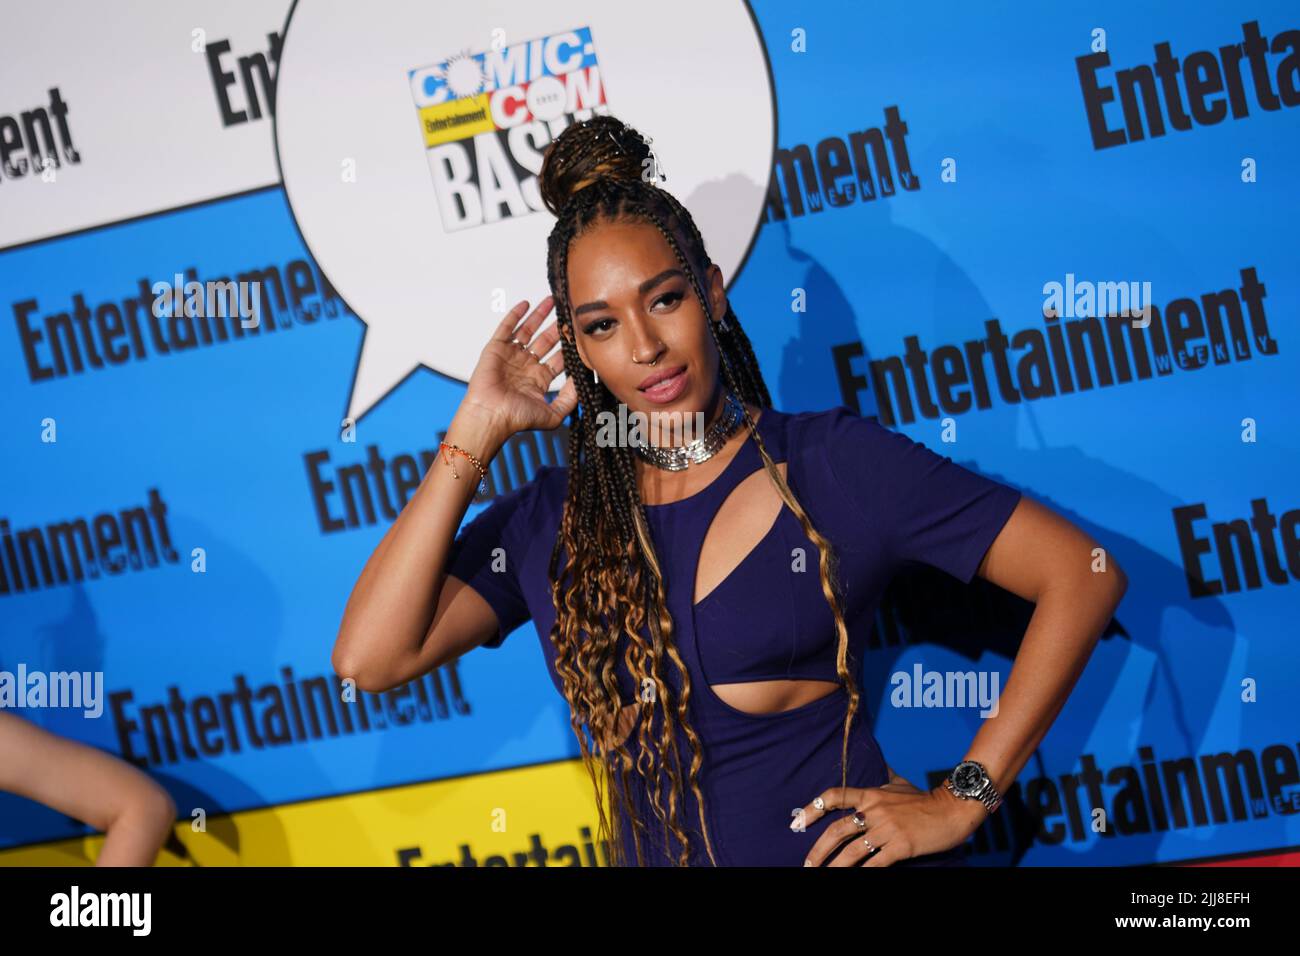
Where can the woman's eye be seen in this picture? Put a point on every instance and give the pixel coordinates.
(667, 299)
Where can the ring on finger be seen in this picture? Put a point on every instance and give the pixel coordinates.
(860, 821)
(870, 849)
(819, 804)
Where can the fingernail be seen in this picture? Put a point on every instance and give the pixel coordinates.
(807, 862)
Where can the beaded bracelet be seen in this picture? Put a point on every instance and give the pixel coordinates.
(456, 449)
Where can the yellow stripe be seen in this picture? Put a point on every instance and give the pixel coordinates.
(493, 813)
(454, 120)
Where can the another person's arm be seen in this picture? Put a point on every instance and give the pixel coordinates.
(90, 785)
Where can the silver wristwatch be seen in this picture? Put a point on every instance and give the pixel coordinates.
(970, 781)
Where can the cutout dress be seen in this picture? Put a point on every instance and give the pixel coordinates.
(882, 499)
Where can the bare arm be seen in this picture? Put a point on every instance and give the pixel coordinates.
(1044, 558)
(90, 785)
(405, 615)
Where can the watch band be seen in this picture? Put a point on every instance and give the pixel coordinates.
(988, 795)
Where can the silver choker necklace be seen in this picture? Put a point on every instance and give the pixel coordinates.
(701, 449)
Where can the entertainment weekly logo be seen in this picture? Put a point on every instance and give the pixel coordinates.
(478, 114)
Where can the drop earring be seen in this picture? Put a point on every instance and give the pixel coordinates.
(595, 376)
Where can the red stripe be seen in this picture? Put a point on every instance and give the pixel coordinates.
(1284, 858)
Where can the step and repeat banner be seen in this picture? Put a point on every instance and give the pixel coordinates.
(249, 254)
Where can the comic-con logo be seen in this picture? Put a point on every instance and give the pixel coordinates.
(486, 117)
(439, 124)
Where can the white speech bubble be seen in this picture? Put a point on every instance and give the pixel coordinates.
(375, 202)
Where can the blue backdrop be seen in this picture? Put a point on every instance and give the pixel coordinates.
(1008, 192)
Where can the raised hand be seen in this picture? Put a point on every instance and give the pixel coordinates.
(508, 385)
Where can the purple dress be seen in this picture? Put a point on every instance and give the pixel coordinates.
(881, 499)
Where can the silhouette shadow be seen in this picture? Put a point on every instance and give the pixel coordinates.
(924, 606)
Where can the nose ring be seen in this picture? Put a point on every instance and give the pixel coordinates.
(651, 364)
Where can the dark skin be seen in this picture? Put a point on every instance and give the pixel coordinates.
(629, 305)
(634, 312)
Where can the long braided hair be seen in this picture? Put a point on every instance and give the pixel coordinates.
(600, 170)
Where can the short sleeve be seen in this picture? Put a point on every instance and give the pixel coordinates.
(925, 507)
(474, 558)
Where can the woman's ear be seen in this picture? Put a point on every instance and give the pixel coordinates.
(717, 292)
(567, 332)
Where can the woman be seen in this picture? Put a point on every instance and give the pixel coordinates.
(707, 600)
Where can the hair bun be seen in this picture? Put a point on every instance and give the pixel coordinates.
(603, 147)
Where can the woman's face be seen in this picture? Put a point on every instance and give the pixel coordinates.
(630, 298)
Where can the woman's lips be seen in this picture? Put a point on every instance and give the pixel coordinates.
(661, 393)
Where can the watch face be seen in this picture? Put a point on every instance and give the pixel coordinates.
(968, 777)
